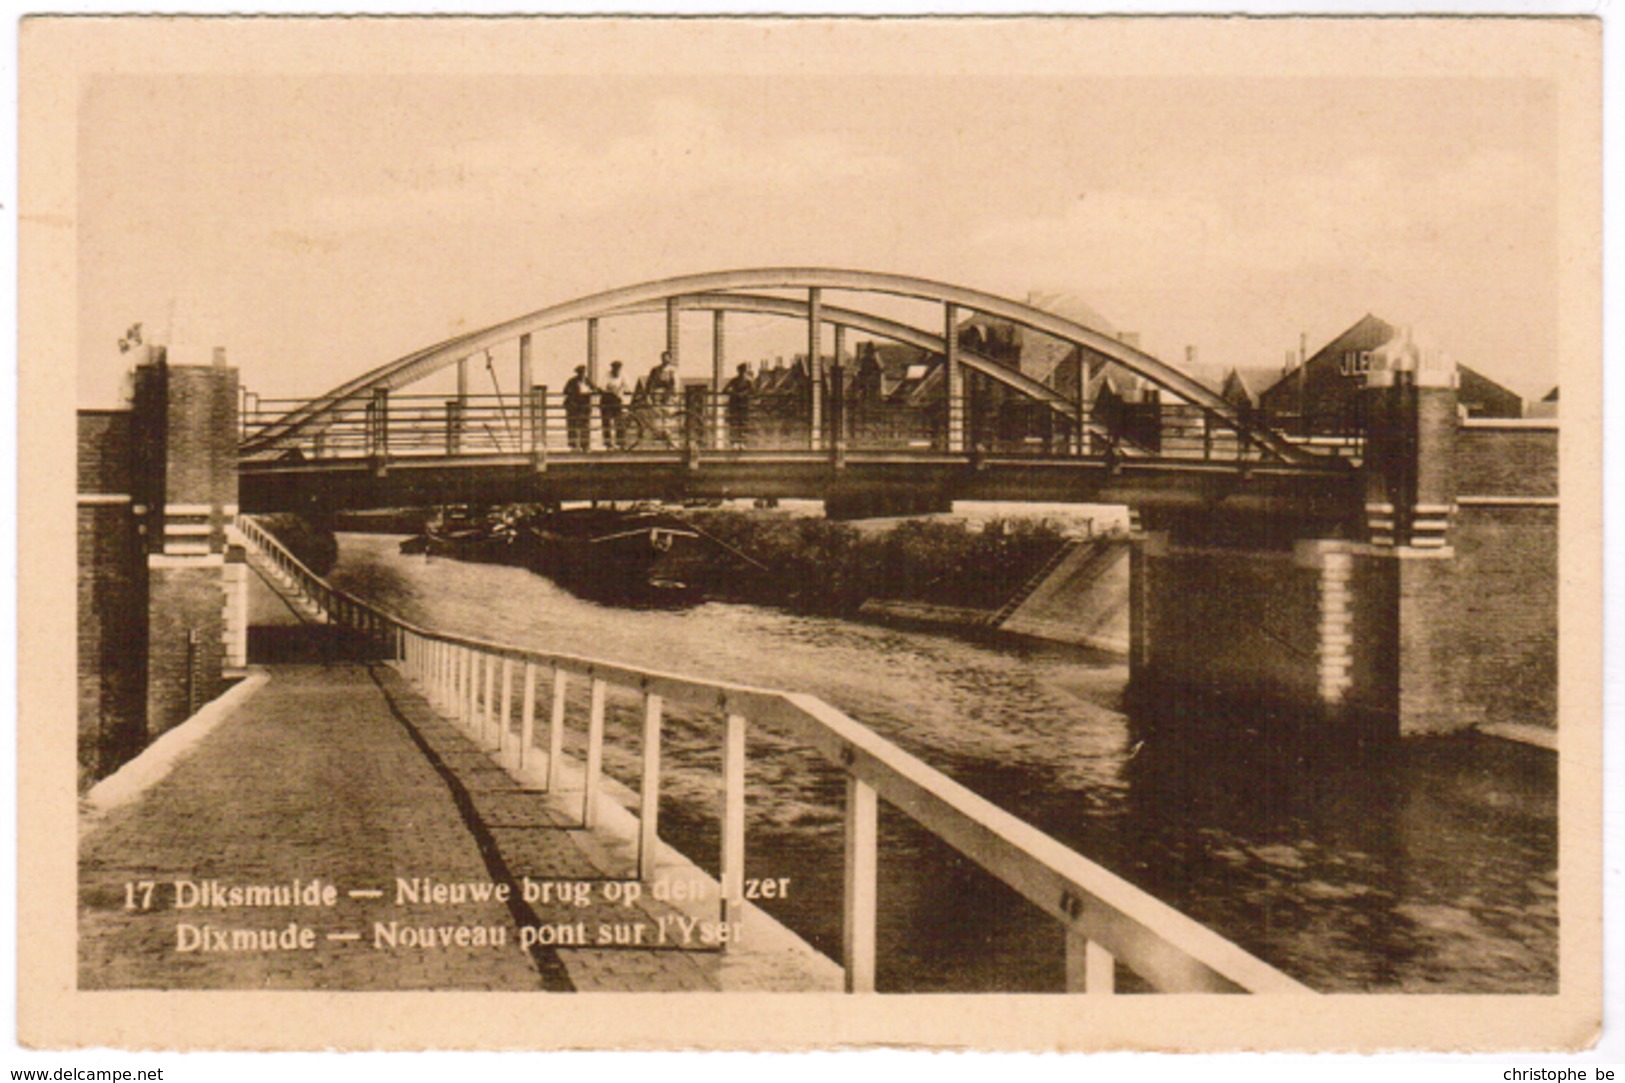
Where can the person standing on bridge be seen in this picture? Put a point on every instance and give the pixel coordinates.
(739, 390)
(662, 382)
(611, 398)
(662, 388)
(578, 410)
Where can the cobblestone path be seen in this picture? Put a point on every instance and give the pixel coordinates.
(343, 774)
(314, 778)
(534, 841)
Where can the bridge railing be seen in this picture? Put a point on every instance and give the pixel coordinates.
(483, 686)
(544, 423)
(1190, 432)
(699, 420)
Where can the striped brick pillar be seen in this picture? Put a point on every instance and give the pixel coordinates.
(1409, 463)
(185, 417)
(1410, 471)
(1436, 422)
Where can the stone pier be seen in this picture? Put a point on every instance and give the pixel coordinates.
(1429, 609)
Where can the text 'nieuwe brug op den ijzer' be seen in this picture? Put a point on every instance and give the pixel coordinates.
(621, 917)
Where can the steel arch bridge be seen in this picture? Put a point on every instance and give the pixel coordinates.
(367, 429)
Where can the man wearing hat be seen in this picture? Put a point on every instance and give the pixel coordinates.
(610, 400)
(578, 409)
(738, 392)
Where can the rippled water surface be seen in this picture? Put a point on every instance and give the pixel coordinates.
(1432, 868)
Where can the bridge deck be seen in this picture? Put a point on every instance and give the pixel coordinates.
(1327, 490)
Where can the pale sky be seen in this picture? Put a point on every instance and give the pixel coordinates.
(318, 226)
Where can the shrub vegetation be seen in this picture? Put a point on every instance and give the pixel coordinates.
(822, 565)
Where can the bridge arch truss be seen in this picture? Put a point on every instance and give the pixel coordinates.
(740, 290)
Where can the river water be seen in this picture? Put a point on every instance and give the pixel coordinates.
(1429, 869)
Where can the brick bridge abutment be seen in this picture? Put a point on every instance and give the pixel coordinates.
(1431, 608)
(162, 594)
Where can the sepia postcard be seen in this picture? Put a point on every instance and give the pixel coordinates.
(1039, 533)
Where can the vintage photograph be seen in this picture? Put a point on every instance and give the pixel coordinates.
(861, 508)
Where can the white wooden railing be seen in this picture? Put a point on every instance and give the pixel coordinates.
(1105, 919)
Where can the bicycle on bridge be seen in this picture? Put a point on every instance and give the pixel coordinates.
(651, 419)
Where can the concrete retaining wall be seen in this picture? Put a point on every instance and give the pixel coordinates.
(1084, 601)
